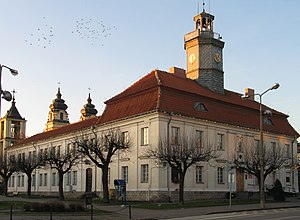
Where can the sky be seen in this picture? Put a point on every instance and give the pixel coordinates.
(108, 45)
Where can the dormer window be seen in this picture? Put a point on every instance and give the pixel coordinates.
(268, 121)
(199, 106)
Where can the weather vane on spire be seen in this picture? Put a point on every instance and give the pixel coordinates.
(14, 92)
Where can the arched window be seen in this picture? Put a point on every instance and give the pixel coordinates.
(61, 116)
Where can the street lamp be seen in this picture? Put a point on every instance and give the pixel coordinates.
(6, 94)
(261, 148)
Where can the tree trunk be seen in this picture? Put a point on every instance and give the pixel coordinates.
(105, 184)
(60, 185)
(5, 186)
(181, 187)
(29, 179)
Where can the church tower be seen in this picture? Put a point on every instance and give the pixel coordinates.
(88, 109)
(57, 116)
(204, 54)
(12, 127)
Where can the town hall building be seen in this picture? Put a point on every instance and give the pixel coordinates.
(161, 104)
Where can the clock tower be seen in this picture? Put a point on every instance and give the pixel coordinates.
(204, 54)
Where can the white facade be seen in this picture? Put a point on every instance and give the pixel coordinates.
(146, 175)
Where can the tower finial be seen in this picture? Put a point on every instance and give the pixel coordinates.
(14, 92)
(203, 4)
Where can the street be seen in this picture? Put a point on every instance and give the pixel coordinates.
(269, 214)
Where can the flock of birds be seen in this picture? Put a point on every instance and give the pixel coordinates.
(92, 31)
(42, 37)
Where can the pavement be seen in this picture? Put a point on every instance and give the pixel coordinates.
(117, 212)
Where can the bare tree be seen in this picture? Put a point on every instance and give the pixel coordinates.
(275, 156)
(27, 165)
(187, 151)
(62, 162)
(7, 168)
(100, 148)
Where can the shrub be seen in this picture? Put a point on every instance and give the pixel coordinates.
(45, 207)
(76, 207)
(277, 191)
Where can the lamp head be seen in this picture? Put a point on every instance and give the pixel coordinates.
(275, 86)
(6, 95)
(14, 72)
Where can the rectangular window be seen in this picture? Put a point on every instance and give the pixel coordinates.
(53, 179)
(256, 145)
(45, 179)
(12, 181)
(41, 180)
(220, 138)
(175, 136)
(58, 152)
(125, 137)
(273, 148)
(288, 151)
(19, 181)
(288, 178)
(74, 178)
(145, 136)
(68, 178)
(22, 180)
(125, 173)
(144, 173)
(199, 139)
(174, 175)
(199, 174)
(9, 182)
(108, 178)
(220, 175)
(33, 180)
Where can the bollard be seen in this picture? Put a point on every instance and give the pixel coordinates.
(50, 212)
(11, 212)
(129, 211)
(92, 212)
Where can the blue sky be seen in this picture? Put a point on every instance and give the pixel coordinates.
(108, 45)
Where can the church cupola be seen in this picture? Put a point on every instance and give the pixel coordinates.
(57, 116)
(12, 127)
(88, 109)
(204, 51)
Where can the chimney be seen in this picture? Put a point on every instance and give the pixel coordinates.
(249, 93)
(177, 72)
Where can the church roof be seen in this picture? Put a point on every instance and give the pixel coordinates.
(13, 112)
(164, 92)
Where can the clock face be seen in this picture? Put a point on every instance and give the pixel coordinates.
(192, 58)
(217, 57)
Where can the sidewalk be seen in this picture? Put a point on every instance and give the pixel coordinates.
(117, 212)
(150, 214)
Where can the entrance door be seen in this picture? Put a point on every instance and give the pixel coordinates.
(240, 180)
(89, 178)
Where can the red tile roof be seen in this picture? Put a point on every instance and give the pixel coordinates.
(59, 131)
(162, 91)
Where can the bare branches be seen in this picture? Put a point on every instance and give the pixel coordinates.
(100, 148)
(180, 156)
(275, 156)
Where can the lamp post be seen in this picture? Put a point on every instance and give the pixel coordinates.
(261, 148)
(6, 94)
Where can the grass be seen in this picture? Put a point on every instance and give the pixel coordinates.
(5, 205)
